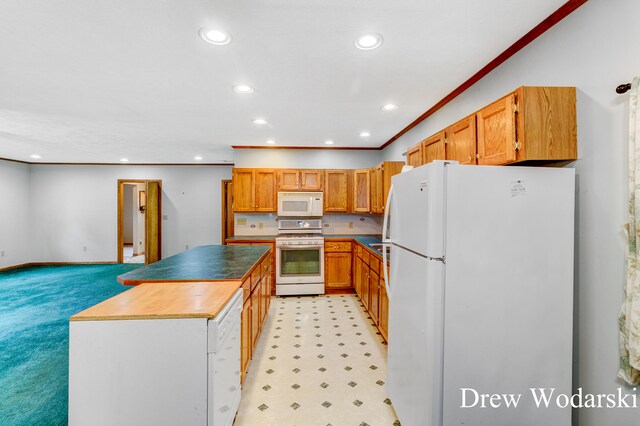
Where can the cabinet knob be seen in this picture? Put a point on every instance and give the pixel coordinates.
(469, 158)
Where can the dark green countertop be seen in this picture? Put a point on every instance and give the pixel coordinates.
(204, 263)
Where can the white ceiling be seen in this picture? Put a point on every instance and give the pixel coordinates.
(95, 81)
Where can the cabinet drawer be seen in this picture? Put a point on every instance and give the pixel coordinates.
(365, 256)
(359, 250)
(374, 263)
(255, 278)
(246, 289)
(265, 265)
(337, 247)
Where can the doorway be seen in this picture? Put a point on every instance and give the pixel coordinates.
(227, 210)
(139, 213)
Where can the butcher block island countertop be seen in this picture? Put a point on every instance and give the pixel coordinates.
(163, 301)
(204, 263)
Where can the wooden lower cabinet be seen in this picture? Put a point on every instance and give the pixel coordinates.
(374, 295)
(257, 298)
(370, 287)
(245, 348)
(337, 270)
(383, 320)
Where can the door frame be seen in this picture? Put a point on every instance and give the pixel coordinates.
(121, 183)
(225, 188)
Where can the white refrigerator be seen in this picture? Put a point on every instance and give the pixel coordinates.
(480, 294)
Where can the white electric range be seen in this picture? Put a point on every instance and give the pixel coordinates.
(299, 257)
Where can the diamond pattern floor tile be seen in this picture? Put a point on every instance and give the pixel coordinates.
(319, 361)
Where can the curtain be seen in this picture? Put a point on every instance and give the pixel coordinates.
(629, 320)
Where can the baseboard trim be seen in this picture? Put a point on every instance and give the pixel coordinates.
(24, 265)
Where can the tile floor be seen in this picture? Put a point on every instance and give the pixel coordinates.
(319, 361)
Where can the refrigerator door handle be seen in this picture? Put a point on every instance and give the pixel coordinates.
(386, 271)
(385, 223)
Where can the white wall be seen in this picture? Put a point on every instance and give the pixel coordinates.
(14, 213)
(76, 206)
(595, 49)
(302, 158)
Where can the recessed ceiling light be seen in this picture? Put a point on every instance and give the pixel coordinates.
(197, 158)
(389, 107)
(36, 156)
(124, 160)
(259, 121)
(365, 134)
(212, 36)
(368, 41)
(329, 142)
(243, 88)
(271, 142)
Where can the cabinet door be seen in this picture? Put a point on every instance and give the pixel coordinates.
(375, 202)
(265, 190)
(312, 180)
(255, 317)
(243, 190)
(336, 184)
(361, 188)
(433, 148)
(288, 180)
(374, 295)
(337, 270)
(358, 276)
(497, 132)
(461, 141)
(245, 352)
(365, 285)
(383, 314)
(414, 155)
(380, 189)
(387, 170)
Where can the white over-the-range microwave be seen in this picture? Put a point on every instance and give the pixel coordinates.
(300, 204)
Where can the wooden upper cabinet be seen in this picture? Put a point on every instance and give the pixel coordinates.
(361, 188)
(461, 141)
(546, 127)
(243, 190)
(312, 180)
(254, 190)
(433, 148)
(300, 180)
(288, 180)
(497, 132)
(336, 191)
(414, 156)
(375, 185)
(388, 169)
(265, 190)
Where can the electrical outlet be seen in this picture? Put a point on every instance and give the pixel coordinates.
(242, 221)
(350, 225)
(260, 225)
(165, 217)
(84, 248)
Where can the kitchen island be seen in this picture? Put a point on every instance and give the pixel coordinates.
(169, 318)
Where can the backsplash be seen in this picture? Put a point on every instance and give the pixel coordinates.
(333, 224)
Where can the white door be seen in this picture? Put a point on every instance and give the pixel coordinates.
(417, 211)
(414, 361)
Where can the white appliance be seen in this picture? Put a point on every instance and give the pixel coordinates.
(299, 257)
(300, 204)
(481, 292)
(183, 371)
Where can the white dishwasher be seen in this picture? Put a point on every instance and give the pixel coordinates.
(224, 363)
